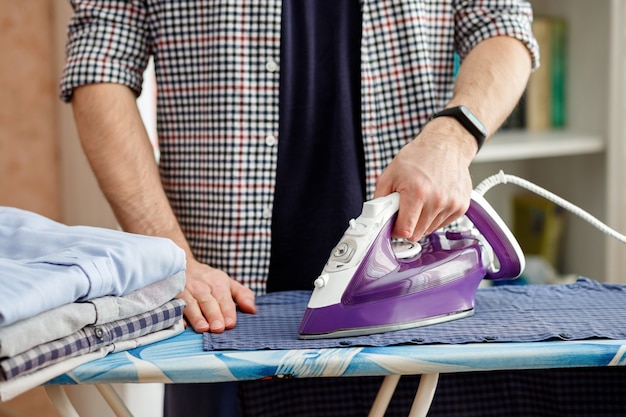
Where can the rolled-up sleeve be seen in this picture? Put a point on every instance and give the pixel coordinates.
(478, 20)
(107, 42)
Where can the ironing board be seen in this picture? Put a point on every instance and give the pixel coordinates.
(181, 359)
(514, 328)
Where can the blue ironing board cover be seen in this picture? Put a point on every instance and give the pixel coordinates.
(585, 309)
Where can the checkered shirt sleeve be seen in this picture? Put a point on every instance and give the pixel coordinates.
(217, 66)
(91, 338)
(106, 45)
(407, 63)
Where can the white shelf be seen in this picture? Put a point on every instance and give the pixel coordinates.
(521, 145)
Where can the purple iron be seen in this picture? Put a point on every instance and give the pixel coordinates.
(374, 284)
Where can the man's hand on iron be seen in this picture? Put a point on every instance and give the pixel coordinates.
(432, 176)
(213, 297)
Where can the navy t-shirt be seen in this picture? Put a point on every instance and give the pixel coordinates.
(320, 175)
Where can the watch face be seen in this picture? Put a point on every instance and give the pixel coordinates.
(473, 119)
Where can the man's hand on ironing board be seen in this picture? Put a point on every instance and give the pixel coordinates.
(213, 297)
(431, 173)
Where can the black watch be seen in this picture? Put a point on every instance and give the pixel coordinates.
(468, 120)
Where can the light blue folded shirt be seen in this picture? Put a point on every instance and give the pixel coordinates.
(45, 264)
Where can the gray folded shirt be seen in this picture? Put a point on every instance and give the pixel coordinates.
(69, 318)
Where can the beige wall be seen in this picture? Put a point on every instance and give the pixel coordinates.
(29, 153)
(29, 144)
(81, 199)
(42, 167)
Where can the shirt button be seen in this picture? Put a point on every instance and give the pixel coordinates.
(267, 212)
(270, 140)
(271, 65)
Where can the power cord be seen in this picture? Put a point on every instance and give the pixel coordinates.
(502, 178)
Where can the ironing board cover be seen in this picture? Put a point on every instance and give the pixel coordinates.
(581, 310)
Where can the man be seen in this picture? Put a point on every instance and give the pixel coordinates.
(276, 121)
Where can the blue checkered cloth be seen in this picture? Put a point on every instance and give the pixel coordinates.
(582, 310)
(91, 338)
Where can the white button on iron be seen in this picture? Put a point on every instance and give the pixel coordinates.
(405, 249)
(320, 282)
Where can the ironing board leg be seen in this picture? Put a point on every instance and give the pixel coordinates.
(113, 399)
(424, 395)
(64, 406)
(385, 392)
(59, 400)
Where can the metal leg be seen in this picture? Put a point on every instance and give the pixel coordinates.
(61, 403)
(424, 395)
(384, 395)
(64, 406)
(113, 399)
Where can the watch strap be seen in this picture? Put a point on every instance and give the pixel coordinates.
(470, 122)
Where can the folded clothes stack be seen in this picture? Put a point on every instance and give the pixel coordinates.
(72, 294)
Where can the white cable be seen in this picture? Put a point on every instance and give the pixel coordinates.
(502, 178)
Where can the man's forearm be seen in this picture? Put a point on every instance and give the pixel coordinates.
(492, 78)
(118, 149)
(117, 146)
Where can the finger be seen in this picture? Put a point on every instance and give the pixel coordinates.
(409, 214)
(193, 314)
(448, 220)
(424, 226)
(219, 311)
(244, 297)
(240, 297)
(447, 216)
(383, 187)
(227, 312)
(438, 222)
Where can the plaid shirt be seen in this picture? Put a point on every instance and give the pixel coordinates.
(217, 68)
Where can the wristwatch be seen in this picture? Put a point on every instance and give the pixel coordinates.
(470, 122)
